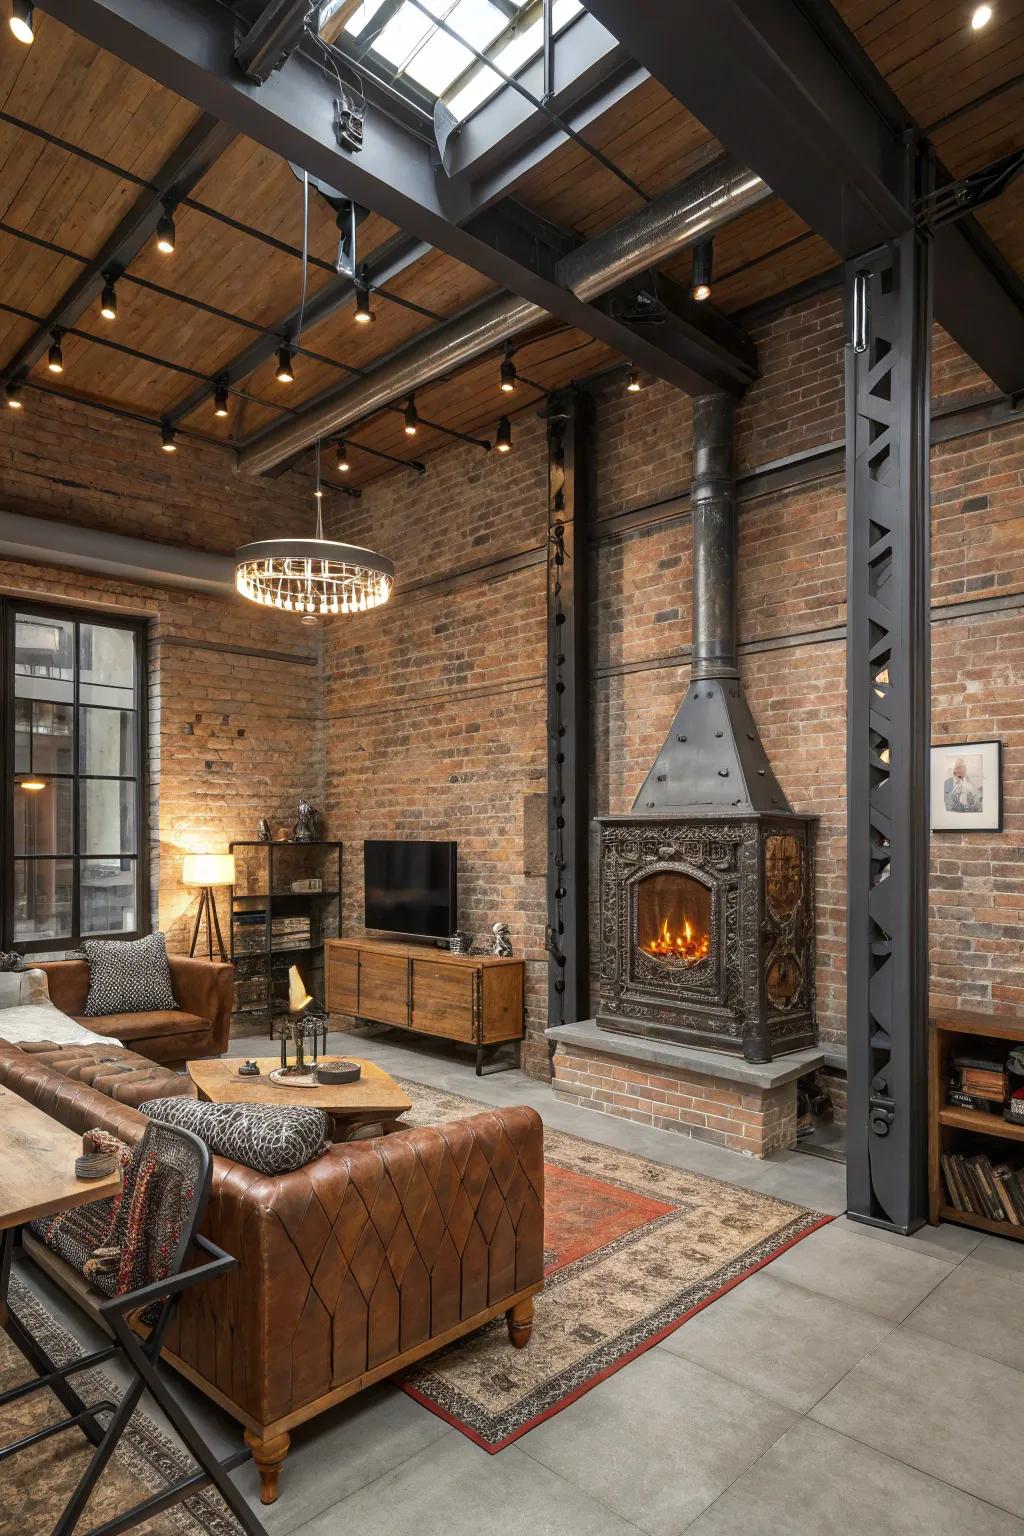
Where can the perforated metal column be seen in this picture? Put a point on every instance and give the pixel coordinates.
(887, 435)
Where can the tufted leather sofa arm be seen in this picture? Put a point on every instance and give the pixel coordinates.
(373, 1250)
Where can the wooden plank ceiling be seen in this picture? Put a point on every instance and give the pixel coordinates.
(967, 87)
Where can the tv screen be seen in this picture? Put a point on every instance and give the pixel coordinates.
(410, 888)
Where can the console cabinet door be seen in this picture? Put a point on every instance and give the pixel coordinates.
(442, 999)
(342, 980)
(383, 987)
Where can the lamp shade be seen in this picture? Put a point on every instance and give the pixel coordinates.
(208, 869)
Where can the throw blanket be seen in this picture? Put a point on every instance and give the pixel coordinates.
(42, 1021)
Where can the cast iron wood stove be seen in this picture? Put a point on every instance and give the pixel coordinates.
(707, 886)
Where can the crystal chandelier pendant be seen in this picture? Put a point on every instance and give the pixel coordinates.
(313, 576)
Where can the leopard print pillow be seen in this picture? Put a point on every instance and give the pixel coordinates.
(268, 1137)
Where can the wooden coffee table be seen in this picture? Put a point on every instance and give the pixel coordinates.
(375, 1099)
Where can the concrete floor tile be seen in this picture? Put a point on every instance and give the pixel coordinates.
(947, 1241)
(979, 1307)
(351, 1446)
(942, 1410)
(874, 1277)
(659, 1440)
(790, 1344)
(453, 1488)
(815, 1481)
(1002, 1253)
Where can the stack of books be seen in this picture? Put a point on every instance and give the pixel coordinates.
(290, 932)
(982, 1187)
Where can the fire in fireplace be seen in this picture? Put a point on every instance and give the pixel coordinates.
(674, 918)
(707, 886)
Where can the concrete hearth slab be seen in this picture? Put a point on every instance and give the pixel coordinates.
(689, 1058)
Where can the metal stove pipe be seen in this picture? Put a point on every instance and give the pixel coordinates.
(713, 507)
(691, 211)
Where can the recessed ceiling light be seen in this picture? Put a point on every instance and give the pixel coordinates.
(981, 17)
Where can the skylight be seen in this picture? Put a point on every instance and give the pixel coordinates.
(416, 49)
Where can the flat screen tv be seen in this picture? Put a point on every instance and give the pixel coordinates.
(410, 888)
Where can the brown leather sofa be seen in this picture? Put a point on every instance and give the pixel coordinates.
(372, 1256)
(199, 1026)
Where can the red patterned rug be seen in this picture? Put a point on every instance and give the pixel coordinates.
(633, 1248)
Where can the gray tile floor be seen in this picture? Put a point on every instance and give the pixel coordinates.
(861, 1383)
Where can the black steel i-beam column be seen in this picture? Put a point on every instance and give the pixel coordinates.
(569, 417)
(887, 488)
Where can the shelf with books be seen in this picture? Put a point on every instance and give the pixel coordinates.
(975, 1158)
(274, 926)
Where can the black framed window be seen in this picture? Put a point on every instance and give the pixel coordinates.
(73, 696)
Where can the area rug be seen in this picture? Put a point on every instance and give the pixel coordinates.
(36, 1484)
(633, 1248)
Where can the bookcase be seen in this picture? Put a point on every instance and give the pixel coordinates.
(951, 1127)
(274, 925)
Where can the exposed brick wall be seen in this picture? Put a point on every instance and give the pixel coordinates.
(422, 678)
(234, 693)
(750, 1120)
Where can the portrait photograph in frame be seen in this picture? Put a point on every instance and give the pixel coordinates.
(967, 787)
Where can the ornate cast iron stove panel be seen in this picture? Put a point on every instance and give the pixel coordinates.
(749, 882)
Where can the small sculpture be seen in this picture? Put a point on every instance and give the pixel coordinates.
(307, 829)
(502, 941)
(305, 1020)
(263, 828)
(249, 1068)
(460, 943)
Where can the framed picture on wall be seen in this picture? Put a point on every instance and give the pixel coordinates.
(967, 787)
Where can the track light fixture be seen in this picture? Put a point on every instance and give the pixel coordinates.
(165, 230)
(167, 436)
(220, 398)
(363, 315)
(55, 356)
(412, 417)
(285, 372)
(703, 260)
(13, 393)
(508, 371)
(503, 440)
(108, 298)
(341, 461)
(633, 382)
(23, 21)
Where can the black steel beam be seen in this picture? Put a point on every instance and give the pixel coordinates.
(187, 46)
(187, 164)
(788, 90)
(570, 418)
(888, 379)
(388, 261)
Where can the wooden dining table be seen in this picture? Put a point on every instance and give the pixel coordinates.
(37, 1178)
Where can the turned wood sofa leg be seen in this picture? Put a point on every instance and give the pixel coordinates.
(520, 1322)
(268, 1455)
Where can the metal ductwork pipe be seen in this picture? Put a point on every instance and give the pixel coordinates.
(713, 505)
(694, 209)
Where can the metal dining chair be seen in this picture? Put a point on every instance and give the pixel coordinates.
(165, 1191)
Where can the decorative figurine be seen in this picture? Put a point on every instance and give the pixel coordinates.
(263, 829)
(460, 943)
(307, 829)
(502, 941)
(249, 1068)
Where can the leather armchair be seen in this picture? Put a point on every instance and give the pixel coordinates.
(199, 1026)
(369, 1258)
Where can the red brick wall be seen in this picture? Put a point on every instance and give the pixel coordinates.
(447, 691)
(234, 693)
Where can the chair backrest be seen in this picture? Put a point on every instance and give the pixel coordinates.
(164, 1197)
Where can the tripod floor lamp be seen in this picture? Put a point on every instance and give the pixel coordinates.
(205, 872)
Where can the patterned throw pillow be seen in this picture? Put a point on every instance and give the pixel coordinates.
(267, 1137)
(128, 976)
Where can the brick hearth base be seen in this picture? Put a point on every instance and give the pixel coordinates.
(750, 1107)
